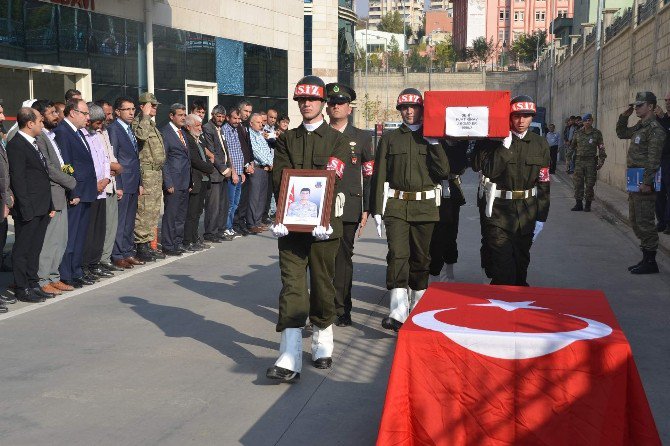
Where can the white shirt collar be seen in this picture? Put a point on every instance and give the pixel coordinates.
(123, 124)
(72, 126)
(174, 127)
(520, 135)
(414, 127)
(29, 138)
(312, 127)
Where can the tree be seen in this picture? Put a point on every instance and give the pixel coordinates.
(359, 62)
(416, 61)
(395, 59)
(526, 47)
(391, 23)
(482, 50)
(375, 62)
(445, 55)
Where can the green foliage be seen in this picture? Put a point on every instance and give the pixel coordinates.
(445, 55)
(526, 46)
(416, 61)
(391, 23)
(374, 62)
(482, 50)
(395, 59)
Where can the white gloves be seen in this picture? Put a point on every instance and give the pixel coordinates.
(321, 233)
(431, 140)
(538, 228)
(380, 224)
(507, 142)
(279, 230)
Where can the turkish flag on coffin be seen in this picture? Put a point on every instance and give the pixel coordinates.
(463, 114)
(499, 365)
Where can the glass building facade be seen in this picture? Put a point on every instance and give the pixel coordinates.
(114, 50)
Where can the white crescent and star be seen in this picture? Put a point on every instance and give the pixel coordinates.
(511, 345)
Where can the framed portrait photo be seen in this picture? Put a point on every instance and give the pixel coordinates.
(305, 199)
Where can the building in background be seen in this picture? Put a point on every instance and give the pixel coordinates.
(378, 41)
(412, 10)
(110, 48)
(441, 4)
(504, 20)
(439, 24)
(329, 43)
(584, 13)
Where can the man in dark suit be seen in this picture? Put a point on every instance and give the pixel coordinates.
(75, 152)
(201, 168)
(55, 240)
(176, 181)
(128, 184)
(240, 222)
(32, 189)
(216, 200)
(355, 186)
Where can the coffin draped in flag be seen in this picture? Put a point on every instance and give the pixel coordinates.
(496, 365)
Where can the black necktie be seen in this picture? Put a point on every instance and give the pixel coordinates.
(83, 138)
(39, 153)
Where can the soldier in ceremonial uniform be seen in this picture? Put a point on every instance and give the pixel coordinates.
(355, 186)
(516, 182)
(587, 148)
(152, 158)
(312, 145)
(443, 244)
(405, 194)
(646, 147)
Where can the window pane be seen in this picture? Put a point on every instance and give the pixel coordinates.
(167, 98)
(41, 33)
(107, 49)
(200, 57)
(73, 37)
(169, 56)
(15, 89)
(11, 29)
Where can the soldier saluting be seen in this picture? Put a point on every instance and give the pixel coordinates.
(646, 147)
(515, 176)
(588, 146)
(355, 186)
(312, 145)
(406, 195)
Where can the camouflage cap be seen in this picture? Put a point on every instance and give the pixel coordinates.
(148, 97)
(643, 97)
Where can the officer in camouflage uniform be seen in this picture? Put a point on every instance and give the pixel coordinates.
(517, 170)
(588, 149)
(152, 158)
(443, 244)
(646, 146)
(355, 186)
(412, 166)
(312, 145)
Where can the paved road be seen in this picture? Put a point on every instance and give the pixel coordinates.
(177, 354)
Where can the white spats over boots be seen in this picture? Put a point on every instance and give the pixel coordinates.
(414, 297)
(290, 350)
(399, 304)
(322, 347)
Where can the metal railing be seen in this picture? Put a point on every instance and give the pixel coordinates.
(619, 24)
(591, 37)
(646, 10)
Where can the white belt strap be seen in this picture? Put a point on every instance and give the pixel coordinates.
(520, 195)
(412, 196)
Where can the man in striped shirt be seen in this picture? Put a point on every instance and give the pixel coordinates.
(237, 163)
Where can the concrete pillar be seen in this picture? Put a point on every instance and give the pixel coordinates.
(573, 42)
(149, 35)
(608, 16)
(586, 30)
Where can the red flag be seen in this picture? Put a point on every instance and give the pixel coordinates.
(500, 366)
(291, 196)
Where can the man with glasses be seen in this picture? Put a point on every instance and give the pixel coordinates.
(152, 158)
(587, 148)
(646, 146)
(76, 152)
(128, 184)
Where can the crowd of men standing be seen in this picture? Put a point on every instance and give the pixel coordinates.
(84, 183)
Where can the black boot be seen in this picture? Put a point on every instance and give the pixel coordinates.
(632, 267)
(587, 206)
(648, 265)
(144, 253)
(578, 206)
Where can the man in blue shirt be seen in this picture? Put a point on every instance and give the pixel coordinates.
(258, 181)
(237, 163)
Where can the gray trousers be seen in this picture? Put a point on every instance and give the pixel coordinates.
(53, 248)
(111, 224)
(216, 208)
(258, 195)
